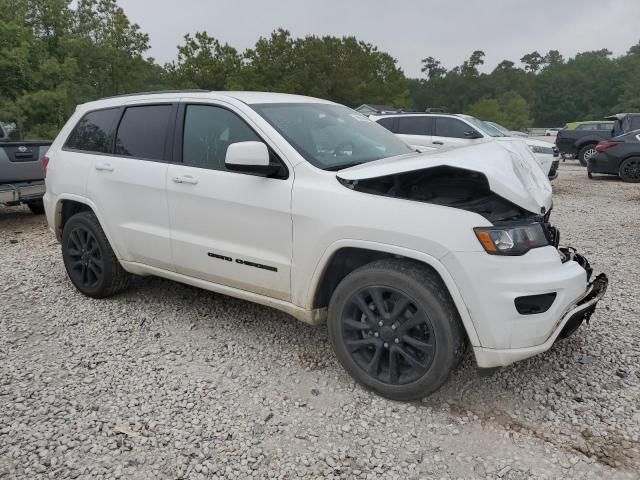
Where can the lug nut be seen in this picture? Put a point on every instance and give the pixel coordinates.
(393, 327)
(380, 323)
(397, 340)
(386, 345)
(375, 334)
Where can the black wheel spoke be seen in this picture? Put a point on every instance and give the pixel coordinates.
(417, 319)
(355, 345)
(364, 307)
(378, 300)
(415, 343)
(85, 262)
(400, 308)
(355, 325)
(374, 365)
(413, 361)
(393, 366)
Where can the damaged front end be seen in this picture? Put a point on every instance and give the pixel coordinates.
(521, 306)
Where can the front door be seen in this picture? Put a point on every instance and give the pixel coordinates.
(227, 227)
(451, 132)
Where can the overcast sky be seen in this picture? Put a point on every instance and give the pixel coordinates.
(409, 30)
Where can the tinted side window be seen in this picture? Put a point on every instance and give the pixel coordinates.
(415, 125)
(94, 132)
(451, 127)
(208, 132)
(142, 131)
(387, 123)
(635, 123)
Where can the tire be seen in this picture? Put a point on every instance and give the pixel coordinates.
(436, 344)
(89, 259)
(630, 170)
(586, 152)
(37, 207)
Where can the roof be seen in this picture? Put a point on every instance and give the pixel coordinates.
(245, 97)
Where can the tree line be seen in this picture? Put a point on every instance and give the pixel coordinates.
(59, 53)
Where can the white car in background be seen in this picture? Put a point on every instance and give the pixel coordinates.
(442, 130)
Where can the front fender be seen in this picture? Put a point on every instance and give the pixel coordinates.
(422, 257)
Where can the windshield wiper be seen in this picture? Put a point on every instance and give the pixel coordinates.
(342, 166)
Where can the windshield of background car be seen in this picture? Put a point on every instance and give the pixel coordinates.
(500, 128)
(331, 137)
(484, 127)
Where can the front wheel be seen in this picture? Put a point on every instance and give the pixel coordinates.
(630, 170)
(89, 259)
(586, 153)
(395, 329)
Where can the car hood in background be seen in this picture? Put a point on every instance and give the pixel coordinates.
(510, 168)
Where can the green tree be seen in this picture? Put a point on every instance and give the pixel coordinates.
(533, 62)
(487, 109)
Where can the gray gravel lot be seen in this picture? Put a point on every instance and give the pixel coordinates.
(167, 381)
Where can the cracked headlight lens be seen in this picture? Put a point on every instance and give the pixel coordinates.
(511, 240)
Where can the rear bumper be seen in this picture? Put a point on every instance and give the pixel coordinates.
(22, 192)
(602, 163)
(580, 312)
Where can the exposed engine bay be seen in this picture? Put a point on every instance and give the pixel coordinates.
(448, 186)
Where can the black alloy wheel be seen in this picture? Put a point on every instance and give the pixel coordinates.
(630, 170)
(86, 266)
(388, 335)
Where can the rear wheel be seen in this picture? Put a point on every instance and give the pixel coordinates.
(395, 329)
(586, 153)
(630, 170)
(89, 259)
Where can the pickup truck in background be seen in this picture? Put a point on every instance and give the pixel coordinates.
(22, 172)
(581, 142)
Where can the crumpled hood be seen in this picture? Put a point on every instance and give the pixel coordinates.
(510, 168)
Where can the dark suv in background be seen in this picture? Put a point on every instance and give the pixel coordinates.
(581, 142)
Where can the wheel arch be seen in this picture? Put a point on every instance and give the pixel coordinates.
(343, 257)
(69, 205)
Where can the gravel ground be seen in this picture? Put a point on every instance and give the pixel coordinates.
(167, 381)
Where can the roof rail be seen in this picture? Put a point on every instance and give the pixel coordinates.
(188, 90)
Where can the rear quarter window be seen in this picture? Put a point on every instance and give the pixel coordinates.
(94, 132)
(387, 123)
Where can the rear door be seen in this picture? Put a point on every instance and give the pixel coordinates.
(128, 184)
(416, 130)
(227, 227)
(450, 132)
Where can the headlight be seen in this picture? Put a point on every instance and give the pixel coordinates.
(512, 240)
(539, 149)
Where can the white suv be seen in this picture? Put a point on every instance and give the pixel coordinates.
(442, 130)
(310, 207)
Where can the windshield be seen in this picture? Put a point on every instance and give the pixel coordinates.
(484, 127)
(331, 137)
(500, 128)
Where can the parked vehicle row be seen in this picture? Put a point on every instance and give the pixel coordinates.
(617, 156)
(21, 172)
(442, 130)
(310, 207)
(581, 140)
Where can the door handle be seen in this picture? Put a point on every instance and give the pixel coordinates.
(104, 167)
(185, 179)
(437, 142)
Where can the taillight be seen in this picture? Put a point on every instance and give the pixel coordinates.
(603, 146)
(45, 164)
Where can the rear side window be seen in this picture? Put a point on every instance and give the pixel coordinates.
(451, 127)
(94, 132)
(387, 123)
(143, 131)
(415, 125)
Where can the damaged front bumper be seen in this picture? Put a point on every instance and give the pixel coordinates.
(534, 334)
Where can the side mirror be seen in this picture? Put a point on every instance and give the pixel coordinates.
(472, 134)
(249, 157)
